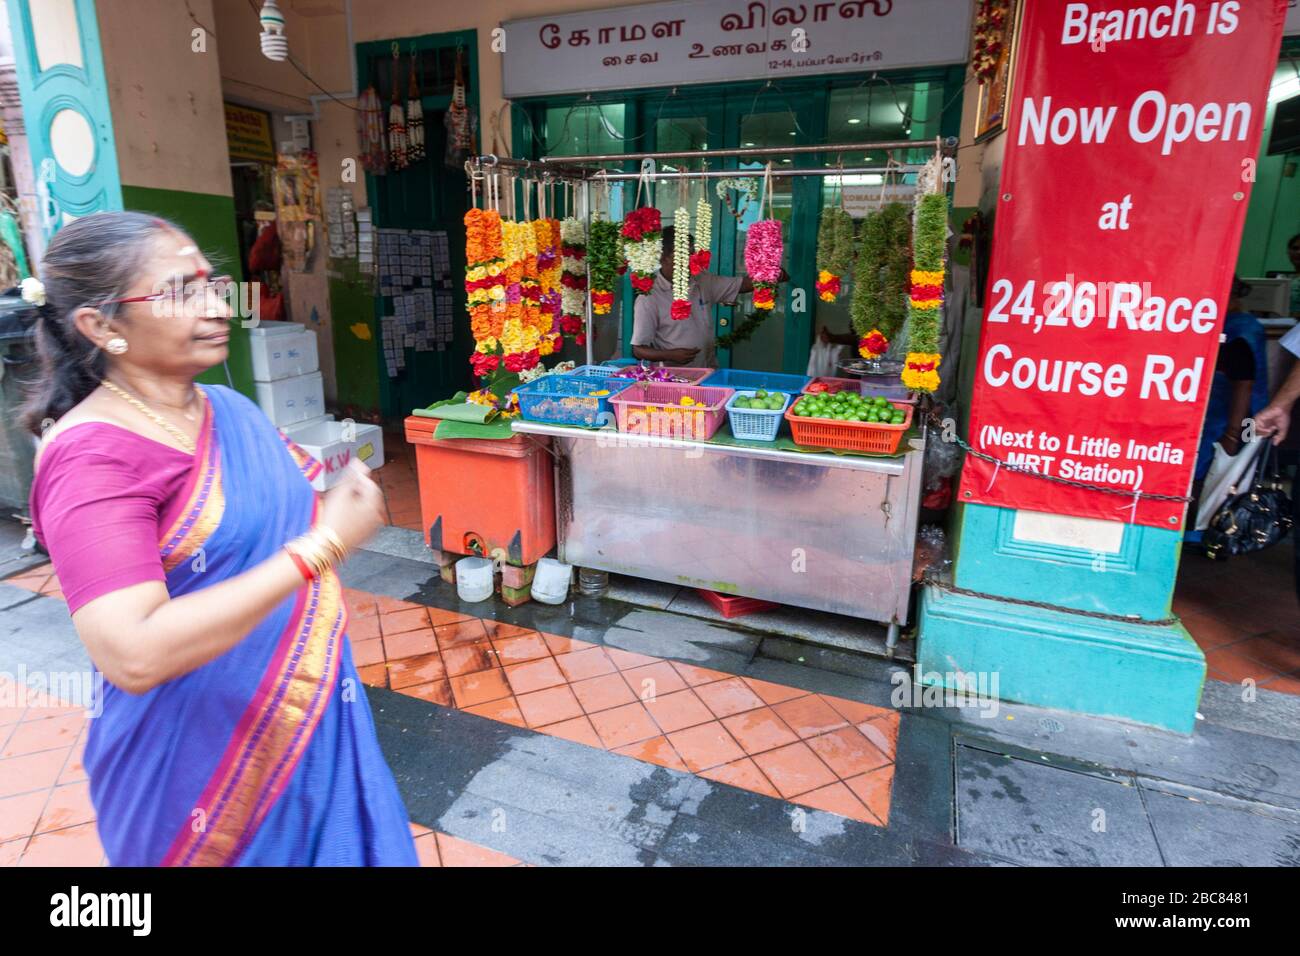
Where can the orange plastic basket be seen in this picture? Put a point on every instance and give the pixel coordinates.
(849, 436)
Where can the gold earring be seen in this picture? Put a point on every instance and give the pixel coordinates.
(116, 345)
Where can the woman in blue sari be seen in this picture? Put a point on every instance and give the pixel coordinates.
(198, 565)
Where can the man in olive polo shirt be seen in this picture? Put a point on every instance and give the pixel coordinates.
(658, 337)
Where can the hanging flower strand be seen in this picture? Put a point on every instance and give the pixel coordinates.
(921, 367)
(834, 251)
(605, 255)
(573, 281)
(681, 307)
(880, 281)
(644, 245)
(763, 251)
(700, 255)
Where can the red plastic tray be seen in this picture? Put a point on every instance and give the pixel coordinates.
(730, 606)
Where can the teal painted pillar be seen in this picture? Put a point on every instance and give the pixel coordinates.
(64, 95)
(1031, 572)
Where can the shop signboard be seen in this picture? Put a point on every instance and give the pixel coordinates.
(711, 41)
(248, 133)
(1130, 156)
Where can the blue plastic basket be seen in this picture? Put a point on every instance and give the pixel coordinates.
(753, 424)
(566, 400)
(593, 371)
(739, 378)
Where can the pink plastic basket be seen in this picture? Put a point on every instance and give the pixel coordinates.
(655, 408)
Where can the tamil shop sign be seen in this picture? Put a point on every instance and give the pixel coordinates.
(1129, 161)
(703, 41)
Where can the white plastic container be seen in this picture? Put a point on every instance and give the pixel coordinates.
(474, 579)
(288, 401)
(282, 350)
(551, 581)
(334, 444)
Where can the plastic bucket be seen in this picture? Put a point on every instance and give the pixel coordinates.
(474, 580)
(551, 581)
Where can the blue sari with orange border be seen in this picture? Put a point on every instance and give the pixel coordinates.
(267, 755)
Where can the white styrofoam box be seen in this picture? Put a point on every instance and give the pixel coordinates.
(290, 400)
(325, 441)
(282, 350)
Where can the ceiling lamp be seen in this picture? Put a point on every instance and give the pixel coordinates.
(275, 45)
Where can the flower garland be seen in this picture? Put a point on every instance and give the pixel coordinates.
(547, 233)
(990, 37)
(748, 186)
(763, 252)
(700, 256)
(834, 251)
(644, 246)
(573, 282)
(485, 285)
(920, 368)
(605, 258)
(681, 307)
(880, 283)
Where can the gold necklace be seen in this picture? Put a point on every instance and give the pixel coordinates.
(184, 440)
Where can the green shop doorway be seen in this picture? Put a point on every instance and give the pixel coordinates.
(429, 196)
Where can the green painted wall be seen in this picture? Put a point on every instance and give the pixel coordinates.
(356, 338)
(211, 221)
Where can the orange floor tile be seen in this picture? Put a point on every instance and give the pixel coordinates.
(398, 481)
(46, 817)
(658, 711)
(811, 749)
(1244, 615)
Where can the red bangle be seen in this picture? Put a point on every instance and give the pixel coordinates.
(302, 565)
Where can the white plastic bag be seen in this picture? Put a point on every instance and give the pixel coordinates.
(1228, 475)
(823, 358)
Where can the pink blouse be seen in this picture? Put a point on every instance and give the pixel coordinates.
(97, 505)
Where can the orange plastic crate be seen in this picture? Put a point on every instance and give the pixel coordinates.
(849, 436)
(485, 493)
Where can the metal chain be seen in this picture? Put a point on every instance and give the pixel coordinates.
(935, 582)
(937, 423)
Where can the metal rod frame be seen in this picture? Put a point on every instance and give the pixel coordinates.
(775, 174)
(751, 151)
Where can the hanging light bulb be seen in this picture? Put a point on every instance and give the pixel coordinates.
(275, 45)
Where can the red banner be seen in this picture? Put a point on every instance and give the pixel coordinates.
(1130, 154)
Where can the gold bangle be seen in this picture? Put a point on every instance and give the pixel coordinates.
(332, 541)
(312, 551)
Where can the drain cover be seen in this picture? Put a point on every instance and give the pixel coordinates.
(1051, 725)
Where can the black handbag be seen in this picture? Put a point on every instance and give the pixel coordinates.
(1256, 519)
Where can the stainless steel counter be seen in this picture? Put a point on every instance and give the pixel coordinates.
(830, 532)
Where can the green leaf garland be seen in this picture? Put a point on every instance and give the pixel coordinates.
(881, 279)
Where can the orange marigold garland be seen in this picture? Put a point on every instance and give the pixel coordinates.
(485, 283)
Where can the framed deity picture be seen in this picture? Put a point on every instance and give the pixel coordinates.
(993, 59)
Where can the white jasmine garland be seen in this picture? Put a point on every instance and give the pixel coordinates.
(573, 231)
(703, 225)
(572, 301)
(644, 256)
(681, 253)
